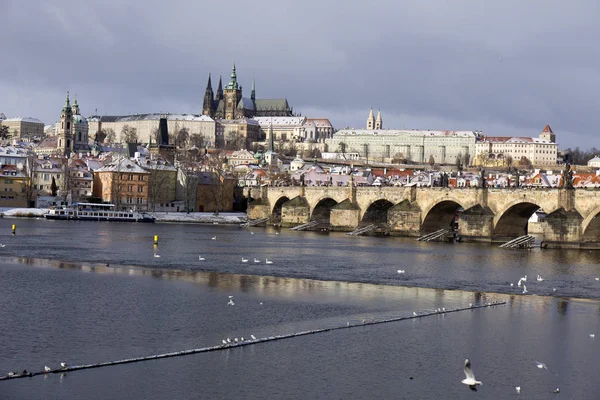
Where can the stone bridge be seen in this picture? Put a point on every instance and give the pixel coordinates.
(487, 215)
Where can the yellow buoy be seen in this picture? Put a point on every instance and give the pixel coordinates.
(155, 239)
(14, 229)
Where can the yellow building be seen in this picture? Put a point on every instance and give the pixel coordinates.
(13, 187)
(24, 128)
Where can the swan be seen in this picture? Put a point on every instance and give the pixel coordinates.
(256, 261)
(200, 258)
(214, 238)
(47, 368)
(267, 261)
(244, 260)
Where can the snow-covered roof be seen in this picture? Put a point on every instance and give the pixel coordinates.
(124, 165)
(23, 119)
(13, 151)
(149, 117)
(279, 121)
(395, 132)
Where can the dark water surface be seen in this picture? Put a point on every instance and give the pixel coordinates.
(63, 304)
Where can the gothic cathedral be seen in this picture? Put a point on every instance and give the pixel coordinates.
(229, 103)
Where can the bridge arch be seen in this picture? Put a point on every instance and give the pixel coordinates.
(512, 221)
(590, 227)
(276, 212)
(376, 213)
(440, 215)
(322, 210)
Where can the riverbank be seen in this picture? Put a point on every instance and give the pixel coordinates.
(161, 217)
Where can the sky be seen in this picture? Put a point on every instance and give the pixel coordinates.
(505, 67)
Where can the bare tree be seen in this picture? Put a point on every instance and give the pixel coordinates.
(234, 141)
(182, 137)
(431, 160)
(216, 163)
(466, 160)
(197, 140)
(4, 132)
(129, 134)
(29, 171)
(109, 135)
(154, 136)
(524, 162)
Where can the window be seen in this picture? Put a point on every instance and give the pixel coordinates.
(140, 189)
(130, 188)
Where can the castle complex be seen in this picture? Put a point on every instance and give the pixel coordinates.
(229, 103)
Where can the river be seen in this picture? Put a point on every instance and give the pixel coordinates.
(64, 303)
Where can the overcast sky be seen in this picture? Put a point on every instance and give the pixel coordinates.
(506, 67)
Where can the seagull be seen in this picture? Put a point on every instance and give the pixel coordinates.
(253, 337)
(242, 339)
(2, 245)
(347, 323)
(228, 340)
(260, 303)
(252, 233)
(267, 261)
(598, 279)
(244, 260)
(539, 278)
(214, 238)
(63, 365)
(512, 284)
(541, 365)
(414, 313)
(401, 271)
(47, 368)
(470, 377)
(231, 303)
(277, 233)
(224, 341)
(157, 255)
(235, 340)
(12, 373)
(518, 389)
(256, 261)
(592, 335)
(557, 390)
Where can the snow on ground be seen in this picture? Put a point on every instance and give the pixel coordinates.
(195, 217)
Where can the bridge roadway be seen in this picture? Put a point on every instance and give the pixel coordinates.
(485, 215)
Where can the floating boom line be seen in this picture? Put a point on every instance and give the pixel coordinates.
(248, 342)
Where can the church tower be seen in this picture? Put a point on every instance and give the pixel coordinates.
(548, 134)
(208, 106)
(371, 120)
(233, 95)
(64, 132)
(378, 121)
(253, 92)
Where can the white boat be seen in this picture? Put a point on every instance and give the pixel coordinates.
(97, 212)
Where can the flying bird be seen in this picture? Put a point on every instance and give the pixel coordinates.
(470, 377)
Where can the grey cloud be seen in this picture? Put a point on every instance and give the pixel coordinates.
(505, 67)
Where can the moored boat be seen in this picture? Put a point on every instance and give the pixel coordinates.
(97, 212)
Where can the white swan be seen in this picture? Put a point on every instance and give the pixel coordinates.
(267, 261)
(214, 238)
(157, 255)
(244, 260)
(401, 271)
(200, 258)
(256, 261)
(539, 278)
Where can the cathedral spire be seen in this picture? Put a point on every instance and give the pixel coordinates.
(379, 121)
(208, 104)
(67, 102)
(220, 90)
(371, 120)
(233, 81)
(253, 92)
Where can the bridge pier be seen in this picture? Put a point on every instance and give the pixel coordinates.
(345, 216)
(295, 212)
(404, 219)
(562, 229)
(476, 224)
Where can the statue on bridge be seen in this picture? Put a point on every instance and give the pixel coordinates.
(567, 182)
(482, 178)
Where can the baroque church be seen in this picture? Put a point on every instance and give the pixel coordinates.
(229, 103)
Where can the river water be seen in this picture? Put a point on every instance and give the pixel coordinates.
(63, 303)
